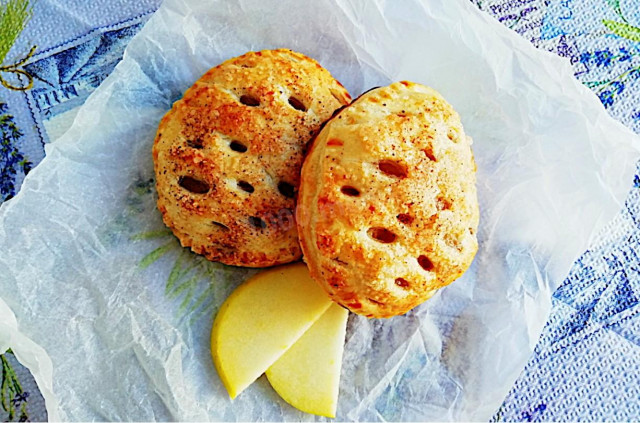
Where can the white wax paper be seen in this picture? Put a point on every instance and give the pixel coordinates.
(124, 313)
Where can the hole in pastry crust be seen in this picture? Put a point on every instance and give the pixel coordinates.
(297, 104)
(195, 143)
(286, 189)
(342, 262)
(402, 282)
(393, 168)
(407, 219)
(350, 191)
(249, 100)
(382, 235)
(245, 65)
(246, 186)
(429, 153)
(193, 185)
(238, 146)
(425, 263)
(220, 225)
(256, 222)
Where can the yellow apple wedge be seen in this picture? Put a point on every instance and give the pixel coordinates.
(307, 376)
(260, 320)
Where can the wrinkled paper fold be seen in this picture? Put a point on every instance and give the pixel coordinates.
(124, 313)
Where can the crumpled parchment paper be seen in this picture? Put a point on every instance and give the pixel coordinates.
(124, 314)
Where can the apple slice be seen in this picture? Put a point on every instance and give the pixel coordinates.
(260, 320)
(307, 376)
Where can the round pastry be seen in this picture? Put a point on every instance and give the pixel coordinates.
(387, 209)
(227, 156)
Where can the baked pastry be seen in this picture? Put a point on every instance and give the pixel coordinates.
(387, 209)
(227, 156)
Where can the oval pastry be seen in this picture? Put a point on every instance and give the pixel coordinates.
(227, 156)
(387, 210)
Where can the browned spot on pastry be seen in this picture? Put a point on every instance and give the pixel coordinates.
(193, 185)
(425, 263)
(382, 235)
(286, 189)
(249, 100)
(393, 168)
(407, 219)
(402, 282)
(335, 142)
(429, 153)
(238, 146)
(246, 186)
(350, 191)
(324, 243)
(453, 136)
(375, 302)
(443, 204)
(297, 104)
(336, 281)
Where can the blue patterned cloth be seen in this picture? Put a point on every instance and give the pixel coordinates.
(77, 47)
(586, 365)
(601, 39)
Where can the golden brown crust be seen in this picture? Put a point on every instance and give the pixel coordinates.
(227, 156)
(387, 209)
